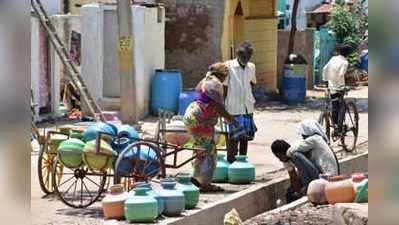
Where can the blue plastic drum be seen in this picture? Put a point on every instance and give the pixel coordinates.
(145, 160)
(166, 87)
(294, 83)
(185, 99)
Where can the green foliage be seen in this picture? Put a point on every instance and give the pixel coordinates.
(349, 27)
(353, 58)
(344, 24)
(340, 2)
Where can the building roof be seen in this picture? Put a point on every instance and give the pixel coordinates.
(324, 8)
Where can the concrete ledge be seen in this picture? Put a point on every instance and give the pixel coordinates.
(253, 201)
(259, 198)
(353, 164)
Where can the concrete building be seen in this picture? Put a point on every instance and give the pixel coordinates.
(199, 33)
(73, 6)
(52, 6)
(47, 71)
(100, 65)
(91, 39)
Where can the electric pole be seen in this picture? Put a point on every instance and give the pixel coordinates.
(126, 62)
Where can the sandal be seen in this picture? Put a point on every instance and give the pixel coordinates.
(211, 188)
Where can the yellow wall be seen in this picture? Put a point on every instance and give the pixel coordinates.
(263, 35)
(263, 8)
(260, 28)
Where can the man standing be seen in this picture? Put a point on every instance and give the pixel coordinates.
(334, 73)
(239, 100)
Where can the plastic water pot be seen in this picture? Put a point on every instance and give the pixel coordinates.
(146, 153)
(220, 175)
(128, 132)
(166, 87)
(98, 161)
(141, 207)
(190, 191)
(114, 203)
(241, 171)
(173, 198)
(91, 132)
(152, 193)
(70, 153)
(340, 192)
(177, 138)
(119, 144)
(316, 191)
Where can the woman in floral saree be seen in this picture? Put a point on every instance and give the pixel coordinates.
(200, 119)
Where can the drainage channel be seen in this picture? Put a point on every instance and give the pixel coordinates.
(259, 198)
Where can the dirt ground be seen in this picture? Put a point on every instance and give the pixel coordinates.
(274, 121)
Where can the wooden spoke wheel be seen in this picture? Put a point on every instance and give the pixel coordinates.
(45, 171)
(79, 187)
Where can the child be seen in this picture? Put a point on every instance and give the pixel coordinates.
(239, 100)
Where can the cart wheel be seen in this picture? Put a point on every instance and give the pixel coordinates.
(80, 187)
(140, 161)
(45, 169)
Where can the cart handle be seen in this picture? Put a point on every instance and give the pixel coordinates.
(98, 140)
(55, 132)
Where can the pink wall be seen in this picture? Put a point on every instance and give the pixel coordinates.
(44, 76)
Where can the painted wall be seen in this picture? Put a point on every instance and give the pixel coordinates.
(259, 26)
(304, 45)
(199, 33)
(75, 5)
(52, 6)
(193, 37)
(99, 54)
(65, 25)
(41, 80)
(35, 63)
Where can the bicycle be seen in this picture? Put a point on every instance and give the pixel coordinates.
(350, 127)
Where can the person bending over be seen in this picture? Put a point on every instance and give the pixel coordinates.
(307, 158)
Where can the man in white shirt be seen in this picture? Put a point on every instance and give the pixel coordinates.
(239, 100)
(334, 73)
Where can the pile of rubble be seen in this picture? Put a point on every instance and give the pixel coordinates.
(339, 214)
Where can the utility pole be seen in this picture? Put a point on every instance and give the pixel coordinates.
(291, 41)
(126, 62)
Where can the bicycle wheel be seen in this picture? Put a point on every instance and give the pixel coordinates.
(324, 120)
(79, 187)
(350, 127)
